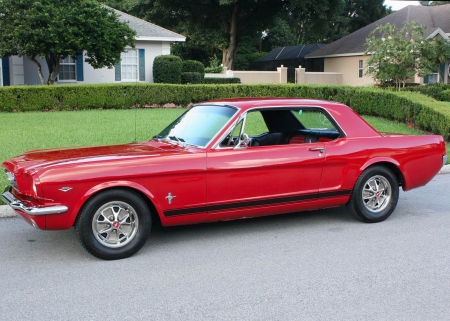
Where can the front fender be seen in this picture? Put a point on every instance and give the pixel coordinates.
(96, 189)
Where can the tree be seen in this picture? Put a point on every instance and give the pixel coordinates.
(433, 3)
(54, 30)
(399, 54)
(220, 23)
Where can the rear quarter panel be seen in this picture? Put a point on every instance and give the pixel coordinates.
(418, 158)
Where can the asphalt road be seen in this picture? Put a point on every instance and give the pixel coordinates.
(320, 265)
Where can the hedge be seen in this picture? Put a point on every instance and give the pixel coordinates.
(408, 107)
(211, 80)
(167, 69)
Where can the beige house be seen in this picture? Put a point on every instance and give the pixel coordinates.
(346, 55)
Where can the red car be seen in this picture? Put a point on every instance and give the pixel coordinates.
(221, 160)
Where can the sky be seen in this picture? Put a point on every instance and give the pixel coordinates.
(398, 4)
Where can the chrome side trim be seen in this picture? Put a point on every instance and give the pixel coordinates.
(16, 204)
(444, 160)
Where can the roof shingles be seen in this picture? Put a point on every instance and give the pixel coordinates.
(355, 43)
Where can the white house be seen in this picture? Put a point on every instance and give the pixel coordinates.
(136, 64)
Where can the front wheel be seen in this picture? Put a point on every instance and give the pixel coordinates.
(114, 224)
(375, 195)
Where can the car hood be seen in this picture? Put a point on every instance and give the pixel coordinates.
(35, 159)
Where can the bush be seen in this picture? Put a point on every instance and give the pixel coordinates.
(191, 78)
(193, 66)
(407, 107)
(445, 95)
(433, 90)
(193, 72)
(233, 80)
(167, 69)
(214, 66)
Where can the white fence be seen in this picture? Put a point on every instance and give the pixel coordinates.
(280, 76)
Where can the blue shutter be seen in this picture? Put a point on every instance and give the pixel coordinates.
(80, 74)
(142, 64)
(442, 72)
(5, 71)
(118, 71)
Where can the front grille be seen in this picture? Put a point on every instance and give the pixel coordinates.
(11, 179)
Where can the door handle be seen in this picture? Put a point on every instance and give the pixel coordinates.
(317, 149)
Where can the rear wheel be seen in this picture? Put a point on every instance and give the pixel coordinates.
(114, 224)
(375, 195)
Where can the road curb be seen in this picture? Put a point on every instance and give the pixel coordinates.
(6, 211)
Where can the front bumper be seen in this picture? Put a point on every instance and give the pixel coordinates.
(18, 205)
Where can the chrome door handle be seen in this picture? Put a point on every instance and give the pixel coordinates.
(317, 149)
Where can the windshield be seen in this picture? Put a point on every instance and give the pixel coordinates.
(198, 125)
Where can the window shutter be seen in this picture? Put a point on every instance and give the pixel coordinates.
(80, 74)
(5, 71)
(142, 64)
(442, 72)
(118, 71)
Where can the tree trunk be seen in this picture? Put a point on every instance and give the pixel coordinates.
(228, 57)
(41, 76)
(53, 68)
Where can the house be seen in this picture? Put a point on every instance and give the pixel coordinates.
(136, 64)
(346, 55)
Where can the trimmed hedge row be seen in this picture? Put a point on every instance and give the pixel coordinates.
(409, 107)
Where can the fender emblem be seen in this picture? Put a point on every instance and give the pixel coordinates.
(65, 189)
(169, 198)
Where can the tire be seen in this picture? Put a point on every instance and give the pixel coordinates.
(114, 224)
(375, 195)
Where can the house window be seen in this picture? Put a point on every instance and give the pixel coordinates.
(67, 68)
(360, 68)
(129, 64)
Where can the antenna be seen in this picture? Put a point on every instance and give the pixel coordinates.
(135, 126)
(135, 107)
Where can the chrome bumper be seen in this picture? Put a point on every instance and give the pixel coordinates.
(16, 204)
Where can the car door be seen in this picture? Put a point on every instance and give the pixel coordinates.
(261, 180)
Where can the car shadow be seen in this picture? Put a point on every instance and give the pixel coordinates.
(335, 218)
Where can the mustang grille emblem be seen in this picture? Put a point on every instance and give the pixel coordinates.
(169, 198)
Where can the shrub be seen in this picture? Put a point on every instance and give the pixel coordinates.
(214, 66)
(408, 107)
(167, 69)
(433, 90)
(191, 78)
(193, 66)
(193, 72)
(208, 80)
(445, 95)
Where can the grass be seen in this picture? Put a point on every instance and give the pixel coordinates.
(35, 130)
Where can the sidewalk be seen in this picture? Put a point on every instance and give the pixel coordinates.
(6, 211)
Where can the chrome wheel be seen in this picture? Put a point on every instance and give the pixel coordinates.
(115, 224)
(376, 194)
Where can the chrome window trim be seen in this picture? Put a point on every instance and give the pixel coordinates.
(291, 107)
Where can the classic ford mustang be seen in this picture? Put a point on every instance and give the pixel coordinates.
(221, 160)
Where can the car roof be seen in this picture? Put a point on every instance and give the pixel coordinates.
(250, 103)
(351, 123)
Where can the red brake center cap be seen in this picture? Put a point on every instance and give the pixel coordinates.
(116, 224)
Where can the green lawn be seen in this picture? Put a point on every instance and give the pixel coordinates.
(34, 130)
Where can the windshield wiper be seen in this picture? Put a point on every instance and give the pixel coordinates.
(157, 137)
(178, 139)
